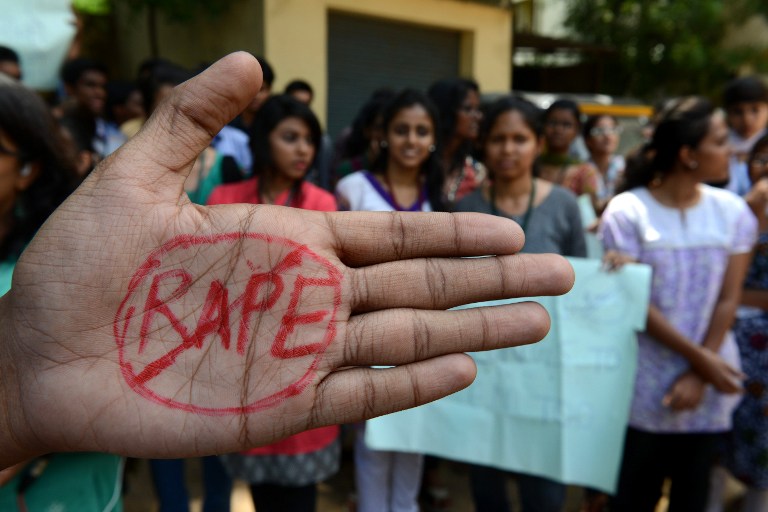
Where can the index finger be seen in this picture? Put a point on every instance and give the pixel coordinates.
(367, 238)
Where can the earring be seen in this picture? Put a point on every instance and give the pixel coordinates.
(432, 148)
(383, 144)
(656, 181)
(26, 171)
(693, 165)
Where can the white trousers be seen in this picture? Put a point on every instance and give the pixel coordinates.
(386, 481)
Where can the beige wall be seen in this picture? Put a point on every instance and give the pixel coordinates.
(295, 37)
(292, 35)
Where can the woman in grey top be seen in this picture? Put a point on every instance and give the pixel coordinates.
(510, 140)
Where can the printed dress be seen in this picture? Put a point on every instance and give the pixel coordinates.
(747, 454)
(689, 254)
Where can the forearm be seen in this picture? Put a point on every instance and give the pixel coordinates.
(722, 320)
(660, 329)
(755, 298)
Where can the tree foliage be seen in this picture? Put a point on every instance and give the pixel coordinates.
(665, 47)
(181, 10)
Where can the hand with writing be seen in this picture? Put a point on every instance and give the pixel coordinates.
(139, 323)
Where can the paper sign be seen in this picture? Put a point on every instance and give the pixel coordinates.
(558, 408)
(40, 31)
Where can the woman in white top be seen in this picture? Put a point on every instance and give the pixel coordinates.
(405, 177)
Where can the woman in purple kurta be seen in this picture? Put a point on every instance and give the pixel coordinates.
(698, 241)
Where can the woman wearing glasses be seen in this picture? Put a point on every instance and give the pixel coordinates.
(601, 136)
(562, 125)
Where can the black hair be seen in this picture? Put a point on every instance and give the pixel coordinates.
(276, 109)
(8, 55)
(592, 121)
(26, 121)
(118, 93)
(564, 104)
(431, 168)
(299, 85)
(744, 89)
(683, 122)
(531, 114)
(359, 136)
(267, 72)
(448, 96)
(73, 70)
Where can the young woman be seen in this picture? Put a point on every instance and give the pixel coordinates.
(698, 240)
(510, 141)
(405, 177)
(747, 446)
(601, 136)
(284, 141)
(562, 124)
(360, 146)
(458, 101)
(37, 172)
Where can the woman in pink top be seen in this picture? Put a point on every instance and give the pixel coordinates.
(284, 143)
(285, 137)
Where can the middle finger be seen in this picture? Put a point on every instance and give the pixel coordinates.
(441, 283)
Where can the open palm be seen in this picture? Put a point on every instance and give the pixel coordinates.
(142, 324)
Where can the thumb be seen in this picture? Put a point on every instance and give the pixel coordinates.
(184, 124)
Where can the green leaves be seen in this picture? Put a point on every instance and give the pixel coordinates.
(667, 47)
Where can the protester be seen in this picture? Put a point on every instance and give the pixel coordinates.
(85, 82)
(36, 175)
(510, 140)
(361, 144)
(405, 177)
(745, 101)
(286, 135)
(698, 241)
(458, 101)
(301, 91)
(601, 136)
(747, 445)
(562, 125)
(10, 64)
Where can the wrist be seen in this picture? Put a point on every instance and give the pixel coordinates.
(15, 445)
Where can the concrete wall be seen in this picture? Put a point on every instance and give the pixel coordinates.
(292, 35)
(295, 37)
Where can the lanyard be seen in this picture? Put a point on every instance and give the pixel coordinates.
(528, 211)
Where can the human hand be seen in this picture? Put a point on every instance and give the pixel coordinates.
(715, 370)
(614, 260)
(757, 197)
(141, 324)
(685, 393)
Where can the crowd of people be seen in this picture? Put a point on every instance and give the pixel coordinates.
(692, 203)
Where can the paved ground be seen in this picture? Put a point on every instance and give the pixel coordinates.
(334, 495)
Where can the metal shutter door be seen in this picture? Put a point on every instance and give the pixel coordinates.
(365, 54)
